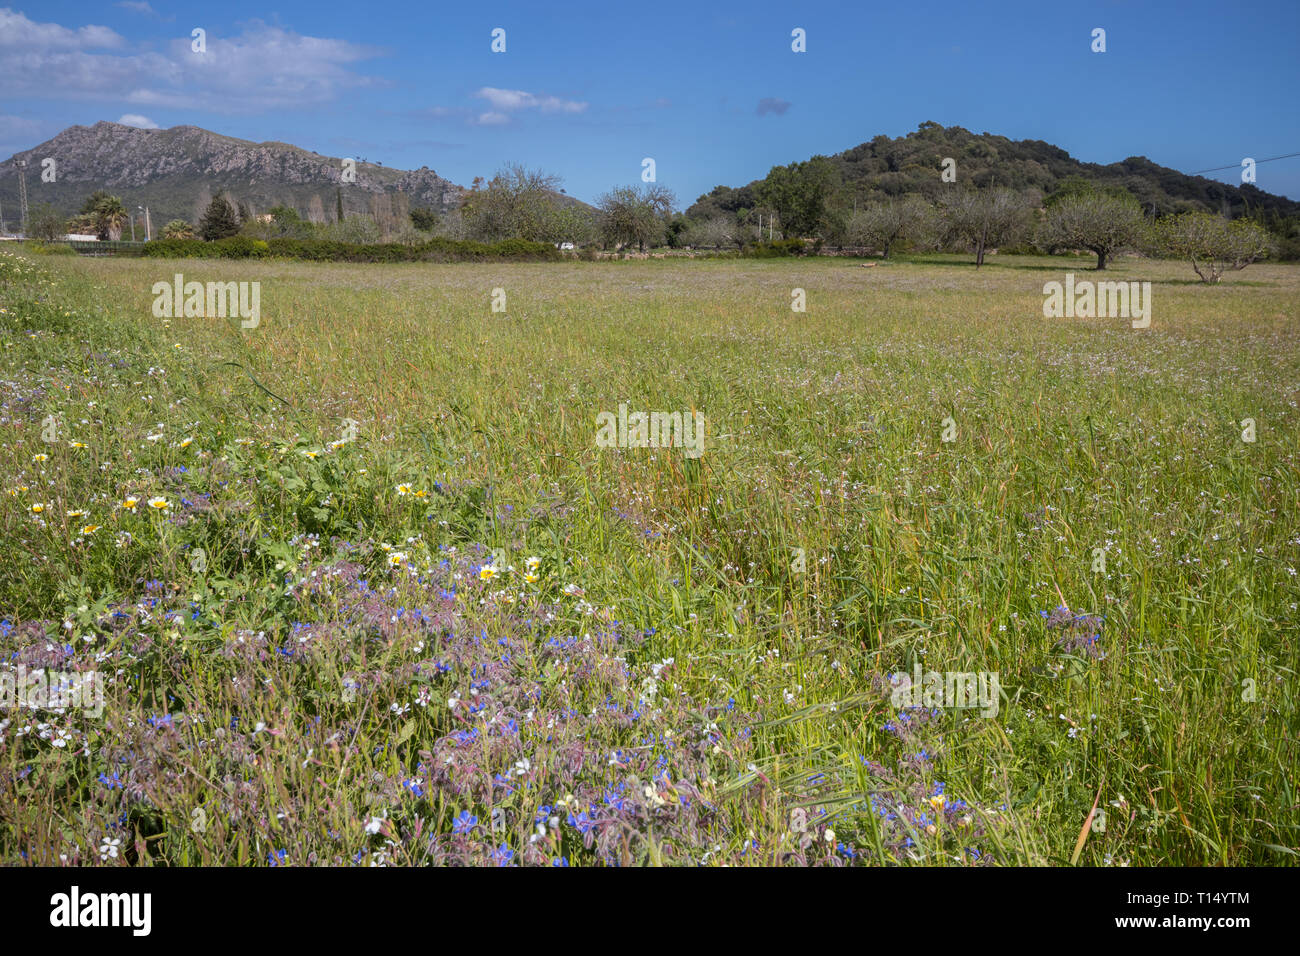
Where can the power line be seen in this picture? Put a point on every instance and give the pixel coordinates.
(1238, 165)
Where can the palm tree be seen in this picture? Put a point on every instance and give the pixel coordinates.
(110, 216)
(178, 229)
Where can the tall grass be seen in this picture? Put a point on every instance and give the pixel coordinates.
(676, 686)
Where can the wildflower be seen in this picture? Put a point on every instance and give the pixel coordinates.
(37, 508)
(159, 504)
(89, 529)
(40, 457)
(487, 572)
(829, 835)
(397, 558)
(531, 578)
(108, 848)
(464, 823)
(403, 489)
(77, 513)
(185, 442)
(533, 563)
(130, 502)
(938, 801)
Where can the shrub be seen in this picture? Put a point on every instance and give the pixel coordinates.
(779, 248)
(328, 250)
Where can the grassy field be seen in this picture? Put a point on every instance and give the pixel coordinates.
(382, 599)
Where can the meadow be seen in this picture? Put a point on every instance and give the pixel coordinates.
(361, 588)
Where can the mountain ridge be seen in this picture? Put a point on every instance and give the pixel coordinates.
(173, 171)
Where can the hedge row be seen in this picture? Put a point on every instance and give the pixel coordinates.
(327, 250)
(780, 248)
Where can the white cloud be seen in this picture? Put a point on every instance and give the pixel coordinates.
(135, 119)
(265, 67)
(492, 119)
(136, 6)
(507, 101)
(19, 33)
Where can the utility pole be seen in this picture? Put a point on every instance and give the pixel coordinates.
(133, 227)
(22, 192)
(148, 227)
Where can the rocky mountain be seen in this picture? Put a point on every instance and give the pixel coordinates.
(176, 171)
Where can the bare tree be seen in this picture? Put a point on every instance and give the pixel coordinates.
(1211, 243)
(517, 203)
(316, 209)
(1099, 222)
(631, 214)
(881, 224)
(986, 217)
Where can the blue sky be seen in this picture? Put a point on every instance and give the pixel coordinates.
(711, 90)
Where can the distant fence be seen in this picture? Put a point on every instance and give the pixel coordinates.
(106, 248)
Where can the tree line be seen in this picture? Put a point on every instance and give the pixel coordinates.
(795, 209)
